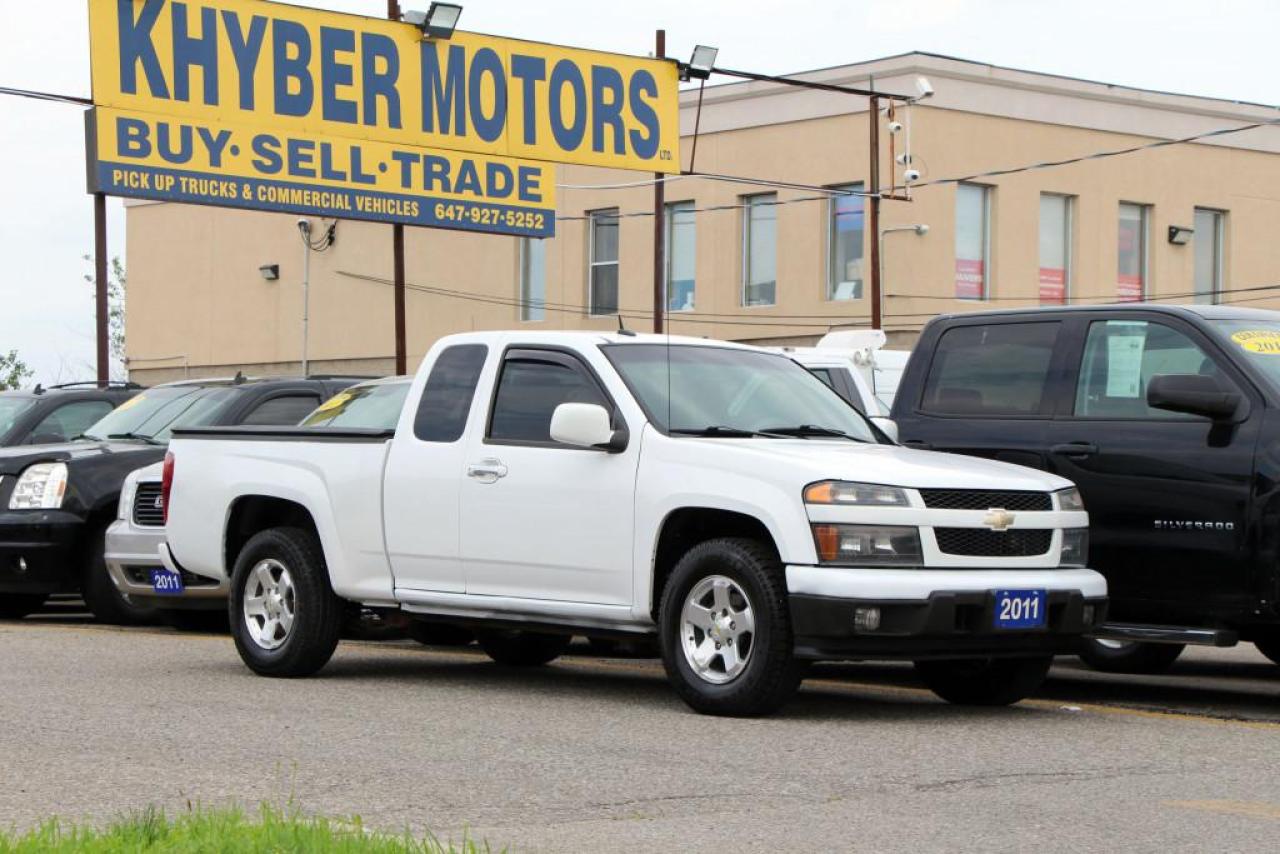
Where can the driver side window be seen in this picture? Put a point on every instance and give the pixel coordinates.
(1120, 359)
(528, 393)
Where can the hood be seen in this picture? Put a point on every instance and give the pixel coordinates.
(14, 460)
(892, 465)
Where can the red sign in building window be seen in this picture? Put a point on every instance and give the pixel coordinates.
(1129, 288)
(1053, 286)
(970, 277)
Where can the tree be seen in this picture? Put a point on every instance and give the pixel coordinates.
(13, 371)
(115, 306)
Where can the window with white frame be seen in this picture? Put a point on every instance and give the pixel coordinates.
(682, 253)
(1131, 252)
(845, 237)
(533, 279)
(973, 241)
(603, 262)
(1055, 249)
(760, 250)
(1209, 227)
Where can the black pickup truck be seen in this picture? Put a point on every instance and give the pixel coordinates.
(57, 500)
(1167, 419)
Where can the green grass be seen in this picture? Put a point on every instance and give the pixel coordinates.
(207, 831)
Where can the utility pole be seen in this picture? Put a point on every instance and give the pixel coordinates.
(397, 255)
(659, 222)
(873, 213)
(100, 286)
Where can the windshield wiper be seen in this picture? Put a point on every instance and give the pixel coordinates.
(135, 436)
(805, 430)
(727, 432)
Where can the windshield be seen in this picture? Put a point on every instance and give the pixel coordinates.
(375, 406)
(1258, 342)
(154, 414)
(11, 409)
(690, 390)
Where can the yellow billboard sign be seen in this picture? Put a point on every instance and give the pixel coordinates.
(149, 156)
(316, 74)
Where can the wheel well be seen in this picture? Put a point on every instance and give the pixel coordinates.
(688, 526)
(252, 514)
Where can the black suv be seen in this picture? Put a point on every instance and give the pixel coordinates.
(56, 501)
(1166, 417)
(57, 413)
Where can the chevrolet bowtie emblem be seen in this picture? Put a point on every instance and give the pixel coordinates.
(998, 519)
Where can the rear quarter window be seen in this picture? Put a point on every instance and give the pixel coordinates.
(446, 398)
(999, 369)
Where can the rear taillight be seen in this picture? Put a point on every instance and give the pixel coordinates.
(166, 485)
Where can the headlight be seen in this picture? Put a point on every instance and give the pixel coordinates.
(1075, 547)
(868, 545)
(40, 487)
(1069, 499)
(856, 494)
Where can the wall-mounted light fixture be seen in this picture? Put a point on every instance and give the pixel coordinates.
(438, 22)
(1180, 235)
(270, 272)
(700, 65)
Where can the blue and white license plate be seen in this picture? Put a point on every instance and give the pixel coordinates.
(167, 583)
(1020, 609)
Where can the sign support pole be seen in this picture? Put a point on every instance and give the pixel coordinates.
(100, 286)
(397, 253)
(873, 213)
(659, 221)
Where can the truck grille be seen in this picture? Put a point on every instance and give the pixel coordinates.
(981, 542)
(147, 511)
(985, 499)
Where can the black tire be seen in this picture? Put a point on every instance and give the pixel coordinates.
(215, 622)
(771, 674)
(1131, 657)
(439, 634)
(15, 606)
(1270, 647)
(523, 649)
(102, 596)
(318, 613)
(984, 681)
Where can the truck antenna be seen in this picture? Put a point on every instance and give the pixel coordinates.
(622, 329)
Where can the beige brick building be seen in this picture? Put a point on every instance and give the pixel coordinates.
(758, 262)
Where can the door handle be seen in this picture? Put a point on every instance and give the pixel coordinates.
(1074, 449)
(487, 470)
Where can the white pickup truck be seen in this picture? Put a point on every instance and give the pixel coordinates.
(717, 497)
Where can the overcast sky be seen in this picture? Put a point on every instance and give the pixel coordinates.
(1221, 49)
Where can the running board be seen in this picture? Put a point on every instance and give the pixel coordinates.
(1166, 634)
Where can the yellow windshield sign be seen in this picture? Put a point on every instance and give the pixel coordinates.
(1264, 341)
(303, 73)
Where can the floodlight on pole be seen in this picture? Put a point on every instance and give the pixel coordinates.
(438, 22)
(700, 65)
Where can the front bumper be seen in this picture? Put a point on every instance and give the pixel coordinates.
(944, 613)
(133, 552)
(40, 551)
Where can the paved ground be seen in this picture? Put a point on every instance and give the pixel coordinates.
(590, 755)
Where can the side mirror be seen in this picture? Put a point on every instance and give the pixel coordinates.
(887, 426)
(1193, 394)
(587, 425)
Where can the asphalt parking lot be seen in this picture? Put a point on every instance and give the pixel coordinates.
(598, 754)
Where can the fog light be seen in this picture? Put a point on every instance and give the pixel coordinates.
(866, 619)
(1087, 615)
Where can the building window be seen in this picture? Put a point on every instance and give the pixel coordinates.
(760, 249)
(845, 237)
(973, 242)
(682, 254)
(1055, 249)
(604, 262)
(1131, 253)
(533, 279)
(1208, 248)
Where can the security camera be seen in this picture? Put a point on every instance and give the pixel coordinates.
(304, 225)
(904, 159)
(895, 127)
(924, 89)
(911, 175)
(922, 229)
